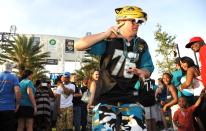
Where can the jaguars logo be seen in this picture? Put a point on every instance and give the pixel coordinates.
(140, 47)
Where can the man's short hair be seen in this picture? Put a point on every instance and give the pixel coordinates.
(73, 74)
(7, 66)
(177, 60)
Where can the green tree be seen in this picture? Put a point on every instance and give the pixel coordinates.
(88, 63)
(166, 51)
(25, 55)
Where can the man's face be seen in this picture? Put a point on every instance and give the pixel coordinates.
(64, 79)
(177, 66)
(130, 27)
(195, 47)
(182, 102)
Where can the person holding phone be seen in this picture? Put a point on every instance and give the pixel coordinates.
(125, 58)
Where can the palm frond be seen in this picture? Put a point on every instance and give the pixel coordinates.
(24, 53)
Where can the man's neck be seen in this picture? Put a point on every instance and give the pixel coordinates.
(178, 67)
(72, 81)
(201, 47)
(129, 39)
(66, 82)
(182, 108)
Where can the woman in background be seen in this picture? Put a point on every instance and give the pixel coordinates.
(172, 99)
(28, 107)
(94, 76)
(190, 81)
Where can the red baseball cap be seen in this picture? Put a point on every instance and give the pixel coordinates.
(193, 40)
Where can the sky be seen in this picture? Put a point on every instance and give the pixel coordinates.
(181, 18)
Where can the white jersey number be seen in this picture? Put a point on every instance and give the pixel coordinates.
(128, 64)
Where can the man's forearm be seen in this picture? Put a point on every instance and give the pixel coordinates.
(88, 41)
(18, 101)
(77, 94)
(146, 73)
(68, 91)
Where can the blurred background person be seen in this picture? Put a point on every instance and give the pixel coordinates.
(64, 107)
(183, 117)
(93, 78)
(177, 74)
(28, 107)
(84, 88)
(171, 102)
(190, 80)
(160, 95)
(9, 98)
(76, 102)
(52, 104)
(43, 116)
(197, 44)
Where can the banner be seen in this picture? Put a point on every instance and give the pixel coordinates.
(36, 41)
(69, 46)
(52, 61)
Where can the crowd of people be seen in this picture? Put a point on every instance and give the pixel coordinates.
(126, 67)
(25, 105)
(120, 94)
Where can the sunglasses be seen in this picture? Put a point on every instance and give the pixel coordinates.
(137, 21)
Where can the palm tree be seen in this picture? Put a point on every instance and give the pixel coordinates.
(88, 63)
(25, 54)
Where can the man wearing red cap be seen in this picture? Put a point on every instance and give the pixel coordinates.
(197, 44)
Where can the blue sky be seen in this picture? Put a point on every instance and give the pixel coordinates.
(182, 18)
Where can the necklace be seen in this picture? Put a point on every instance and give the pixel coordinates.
(132, 56)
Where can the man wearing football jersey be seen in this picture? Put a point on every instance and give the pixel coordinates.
(125, 59)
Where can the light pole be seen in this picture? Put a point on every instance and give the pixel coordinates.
(196, 60)
(5, 37)
(178, 50)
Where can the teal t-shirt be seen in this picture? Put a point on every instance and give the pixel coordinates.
(24, 84)
(176, 77)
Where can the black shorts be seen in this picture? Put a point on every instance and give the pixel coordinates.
(7, 120)
(25, 112)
